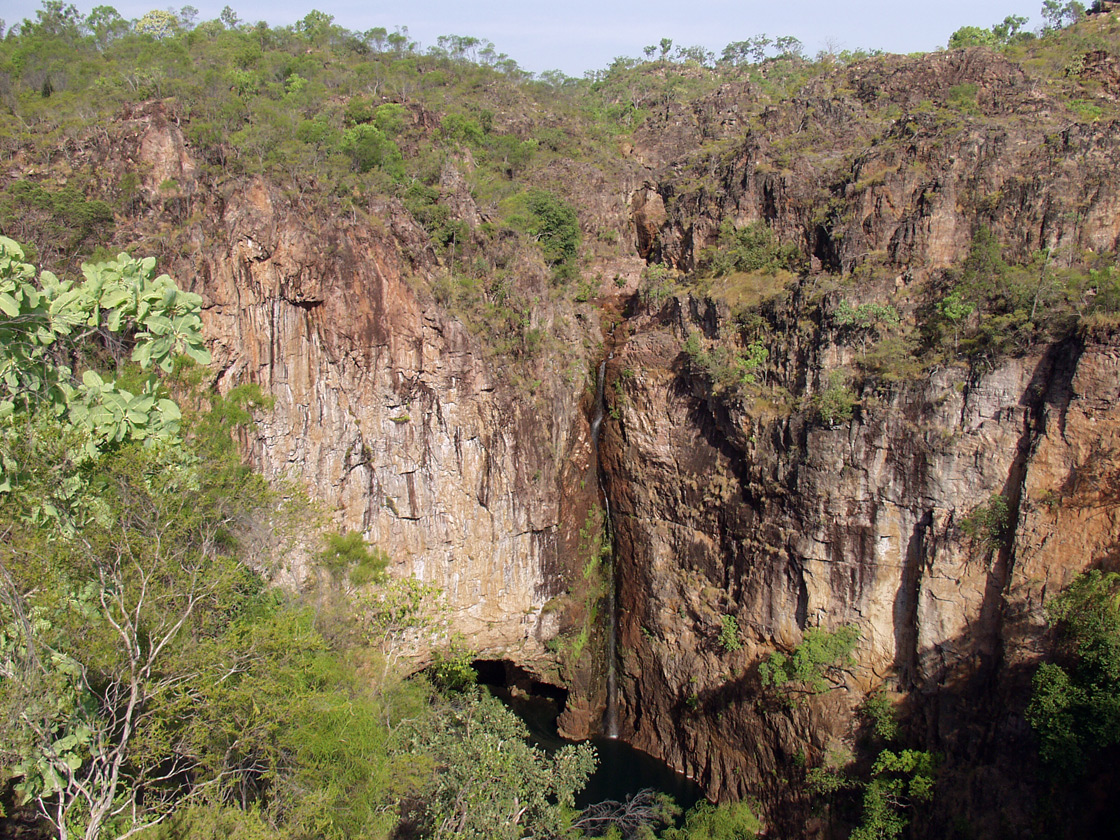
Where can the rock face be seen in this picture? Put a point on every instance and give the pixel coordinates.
(785, 523)
(969, 139)
(398, 419)
(389, 410)
(761, 512)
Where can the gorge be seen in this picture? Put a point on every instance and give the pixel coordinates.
(810, 437)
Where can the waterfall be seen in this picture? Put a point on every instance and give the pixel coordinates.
(610, 718)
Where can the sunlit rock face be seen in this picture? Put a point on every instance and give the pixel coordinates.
(389, 411)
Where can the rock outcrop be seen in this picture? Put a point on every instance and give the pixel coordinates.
(787, 523)
(401, 422)
(391, 412)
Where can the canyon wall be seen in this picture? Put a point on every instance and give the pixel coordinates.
(757, 509)
(788, 523)
(390, 411)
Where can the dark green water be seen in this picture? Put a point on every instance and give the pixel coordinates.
(623, 770)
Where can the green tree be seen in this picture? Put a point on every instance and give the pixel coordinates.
(489, 782)
(988, 523)
(836, 403)
(229, 18)
(814, 665)
(158, 23)
(148, 677)
(555, 226)
(43, 324)
(370, 149)
(729, 637)
(732, 821)
(899, 780)
(106, 25)
(750, 248)
(971, 36)
(1059, 15)
(1075, 702)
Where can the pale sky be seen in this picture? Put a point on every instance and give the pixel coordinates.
(580, 35)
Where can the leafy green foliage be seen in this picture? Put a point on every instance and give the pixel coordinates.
(490, 783)
(727, 368)
(879, 712)
(400, 615)
(370, 149)
(1058, 15)
(349, 555)
(866, 316)
(1008, 31)
(873, 324)
(729, 638)
(991, 307)
(63, 222)
(42, 324)
(1075, 703)
(555, 226)
(836, 403)
(899, 780)
(733, 821)
(814, 664)
(134, 595)
(147, 675)
(751, 248)
(451, 670)
(659, 283)
(987, 523)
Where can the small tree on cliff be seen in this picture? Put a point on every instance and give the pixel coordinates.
(813, 666)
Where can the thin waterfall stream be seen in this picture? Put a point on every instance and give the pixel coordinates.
(623, 770)
(610, 717)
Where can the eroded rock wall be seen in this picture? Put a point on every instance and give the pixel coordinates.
(390, 411)
(409, 431)
(724, 507)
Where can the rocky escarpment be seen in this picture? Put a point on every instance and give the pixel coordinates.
(787, 523)
(391, 411)
(889, 163)
(754, 507)
(387, 409)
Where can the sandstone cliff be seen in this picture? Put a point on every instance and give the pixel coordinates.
(399, 420)
(787, 523)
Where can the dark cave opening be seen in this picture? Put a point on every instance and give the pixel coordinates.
(512, 679)
(623, 770)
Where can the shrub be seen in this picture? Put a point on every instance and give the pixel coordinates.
(750, 248)
(728, 368)
(348, 554)
(729, 638)
(814, 663)
(554, 225)
(658, 285)
(837, 402)
(879, 713)
(369, 148)
(1074, 705)
(987, 523)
